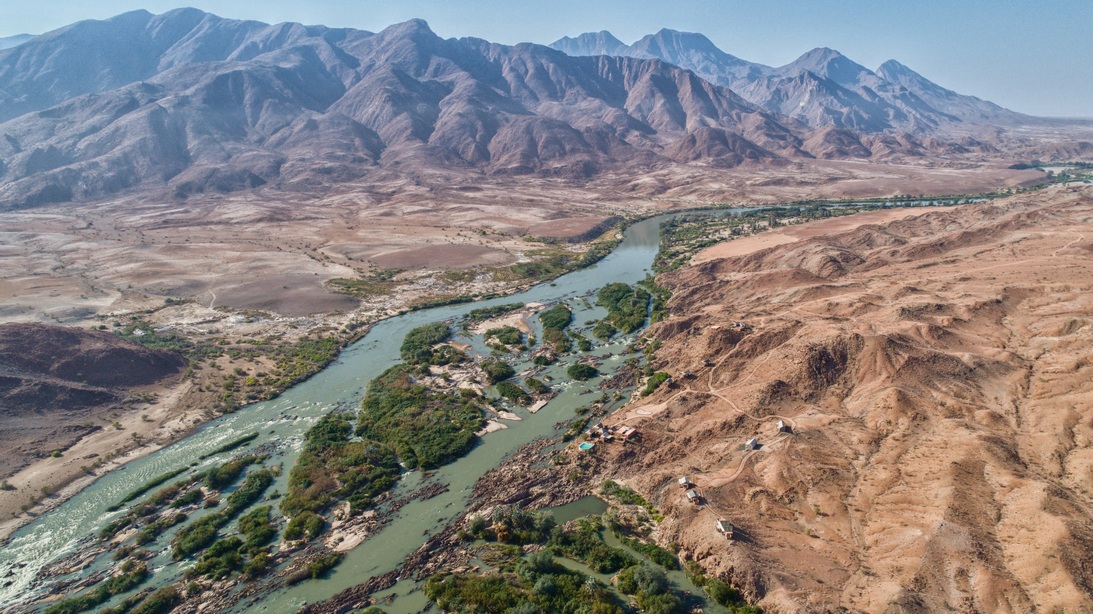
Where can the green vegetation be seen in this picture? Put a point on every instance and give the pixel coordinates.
(149, 533)
(159, 602)
(654, 382)
(131, 575)
(417, 346)
(189, 498)
(587, 545)
(249, 492)
(485, 313)
(582, 372)
(248, 553)
(497, 370)
(219, 478)
(557, 340)
(197, 536)
(659, 309)
(558, 316)
(378, 283)
(257, 527)
(535, 585)
(426, 428)
(143, 333)
(333, 467)
(228, 447)
(537, 386)
(555, 320)
(651, 586)
(627, 496)
(514, 525)
(553, 262)
(203, 531)
(627, 307)
(658, 555)
(305, 525)
(513, 393)
(221, 560)
(149, 485)
(507, 335)
(543, 360)
(719, 590)
(583, 344)
(604, 331)
(324, 563)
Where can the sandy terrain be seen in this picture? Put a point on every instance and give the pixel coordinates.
(790, 234)
(244, 251)
(934, 375)
(257, 264)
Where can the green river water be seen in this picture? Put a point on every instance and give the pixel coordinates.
(282, 423)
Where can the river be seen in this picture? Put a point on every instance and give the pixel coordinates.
(282, 422)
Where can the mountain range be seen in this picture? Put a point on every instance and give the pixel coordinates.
(187, 102)
(821, 88)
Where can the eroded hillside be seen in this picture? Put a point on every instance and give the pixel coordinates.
(934, 373)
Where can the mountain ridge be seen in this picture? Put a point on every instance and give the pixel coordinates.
(218, 105)
(186, 103)
(892, 99)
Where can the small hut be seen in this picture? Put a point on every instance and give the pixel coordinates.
(686, 483)
(694, 497)
(627, 433)
(751, 444)
(783, 427)
(725, 528)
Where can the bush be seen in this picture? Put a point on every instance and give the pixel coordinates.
(306, 524)
(485, 313)
(558, 317)
(604, 331)
(219, 478)
(582, 372)
(658, 555)
(627, 307)
(557, 339)
(159, 602)
(417, 346)
(587, 545)
(508, 335)
(257, 527)
(220, 560)
(424, 427)
(537, 386)
(513, 393)
(324, 563)
(497, 370)
(654, 382)
(132, 574)
(514, 525)
(332, 466)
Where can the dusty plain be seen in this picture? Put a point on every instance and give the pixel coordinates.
(257, 265)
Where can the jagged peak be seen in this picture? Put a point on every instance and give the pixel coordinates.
(590, 43)
(690, 39)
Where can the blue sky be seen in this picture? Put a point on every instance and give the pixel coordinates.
(1033, 57)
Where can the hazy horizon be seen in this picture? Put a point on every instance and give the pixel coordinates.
(1018, 55)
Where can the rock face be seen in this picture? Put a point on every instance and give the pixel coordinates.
(933, 373)
(52, 378)
(187, 102)
(822, 88)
